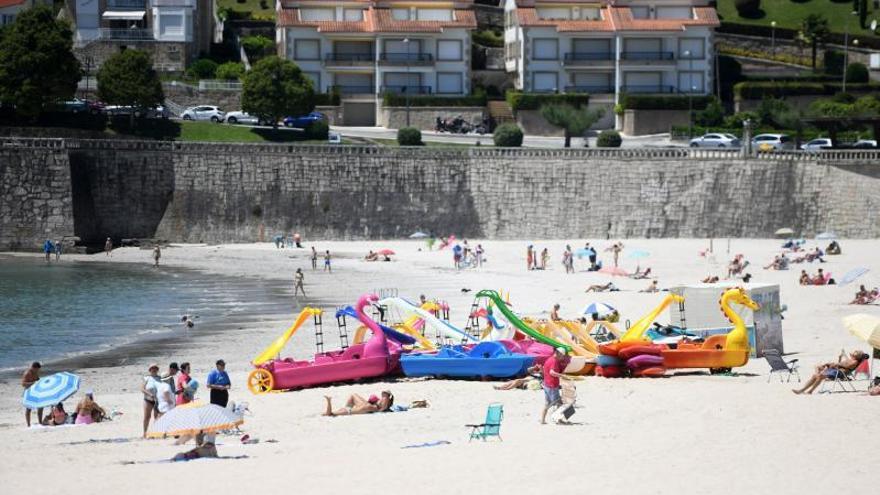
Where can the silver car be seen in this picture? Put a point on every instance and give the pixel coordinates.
(242, 117)
(715, 140)
(817, 144)
(204, 112)
(772, 142)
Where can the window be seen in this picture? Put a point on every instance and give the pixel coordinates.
(171, 24)
(449, 50)
(7, 19)
(592, 49)
(640, 12)
(690, 82)
(593, 82)
(398, 80)
(307, 50)
(315, 77)
(400, 14)
(695, 48)
(449, 83)
(682, 12)
(554, 13)
(353, 14)
(434, 14)
(590, 13)
(546, 49)
(544, 82)
(316, 14)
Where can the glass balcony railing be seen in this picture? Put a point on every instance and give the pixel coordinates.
(354, 89)
(403, 89)
(587, 56)
(126, 34)
(590, 88)
(127, 4)
(349, 57)
(403, 58)
(658, 55)
(647, 88)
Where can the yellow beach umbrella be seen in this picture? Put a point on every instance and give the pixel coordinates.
(865, 327)
(193, 418)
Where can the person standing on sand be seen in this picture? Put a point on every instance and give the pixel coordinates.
(58, 249)
(171, 378)
(616, 249)
(327, 267)
(298, 282)
(530, 257)
(545, 257)
(219, 384)
(314, 258)
(553, 368)
(297, 239)
(479, 255)
(148, 388)
(185, 393)
(157, 253)
(30, 377)
(108, 247)
(48, 247)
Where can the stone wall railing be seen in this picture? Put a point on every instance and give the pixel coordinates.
(825, 156)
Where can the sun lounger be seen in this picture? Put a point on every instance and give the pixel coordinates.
(846, 381)
(780, 365)
(491, 427)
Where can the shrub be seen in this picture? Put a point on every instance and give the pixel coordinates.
(712, 115)
(257, 46)
(654, 102)
(856, 72)
(318, 130)
(736, 120)
(409, 136)
(760, 90)
(833, 62)
(327, 99)
(609, 139)
(395, 100)
(508, 136)
(487, 37)
(230, 71)
(534, 101)
(202, 68)
(747, 8)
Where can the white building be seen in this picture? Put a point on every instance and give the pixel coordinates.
(9, 9)
(365, 48)
(610, 47)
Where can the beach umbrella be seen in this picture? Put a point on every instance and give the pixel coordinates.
(865, 327)
(784, 232)
(601, 309)
(826, 236)
(583, 253)
(385, 252)
(852, 275)
(418, 235)
(50, 390)
(614, 271)
(638, 254)
(192, 418)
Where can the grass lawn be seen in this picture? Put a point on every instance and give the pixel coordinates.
(790, 14)
(263, 10)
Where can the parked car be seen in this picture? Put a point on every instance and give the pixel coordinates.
(715, 140)
(303, 121)
(204, 112)
(817, 144)
(862, 144)
(334, 138)
(242, 117)
(772, 142)
(158, 112)
(77, 105)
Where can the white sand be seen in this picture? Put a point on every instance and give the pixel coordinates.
(696, 434)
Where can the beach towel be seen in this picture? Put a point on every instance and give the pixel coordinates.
(427, 444)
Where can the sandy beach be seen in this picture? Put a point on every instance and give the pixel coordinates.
(689, 433)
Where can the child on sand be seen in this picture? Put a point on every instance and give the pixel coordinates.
(327, 267)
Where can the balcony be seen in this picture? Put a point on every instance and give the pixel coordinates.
(349, 59)
(354, 89)
(587, 58)
(647, 89)
(173, 3)
(406, 58)
(126, 34)
(127, 4)
(593, 89)
(649, 57)
(412, 90)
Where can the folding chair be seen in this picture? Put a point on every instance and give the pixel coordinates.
(845, 380)
(492, 426)
(779, 365)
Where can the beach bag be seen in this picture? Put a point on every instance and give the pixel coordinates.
(190, 390)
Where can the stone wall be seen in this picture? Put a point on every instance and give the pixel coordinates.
(789, 47)
(191, 192)
(534, 124)
(642, 122)
(425, 118)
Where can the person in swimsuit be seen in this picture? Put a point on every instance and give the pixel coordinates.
(205, 447)
(148, 388)
(831, 371)
(298, 283)
(58, 416)
(554, 313)
(88, 411)
(30, 377)
(358, 405)
(314, 258)
(327, 261)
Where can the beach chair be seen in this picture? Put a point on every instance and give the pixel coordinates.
(846, 381)
(779, 365)
(491, 427)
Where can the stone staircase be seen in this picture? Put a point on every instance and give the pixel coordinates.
(501, 112)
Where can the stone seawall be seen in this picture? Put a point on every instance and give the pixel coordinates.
(242, 193)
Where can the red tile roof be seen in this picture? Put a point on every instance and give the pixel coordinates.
(10, 3)
(529, 17)
(616, 19)
(378, 21)
(290, 18)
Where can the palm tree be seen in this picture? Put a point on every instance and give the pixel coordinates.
(814, 30)
(574, 121)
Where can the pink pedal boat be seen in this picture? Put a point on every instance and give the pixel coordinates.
(373, 358)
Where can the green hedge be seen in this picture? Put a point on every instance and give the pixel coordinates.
(609, 139)
(654, 102)
(409, 136)
(395, 100)
(534, 101)
(508, 136)
(327, 99)
(760, 90)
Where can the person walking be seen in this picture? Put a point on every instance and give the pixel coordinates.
(314, 258)
(30, 377)
(298, 282)
(545, 257)
(58, 248)
(327, 267)
(157, 253)
(108, 247)
(553, 368)
(48, 248)
(219, 384)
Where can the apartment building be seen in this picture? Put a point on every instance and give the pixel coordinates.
(610, 47)
(9, 9)
(366, 48)
(173, 31)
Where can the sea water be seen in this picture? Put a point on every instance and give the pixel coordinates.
(61, 309)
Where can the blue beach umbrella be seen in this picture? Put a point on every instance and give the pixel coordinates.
(600, 309)
(852, 275)
(638, 254)
(826, 236)
(583, 253)
(418, 235)
(50, 390)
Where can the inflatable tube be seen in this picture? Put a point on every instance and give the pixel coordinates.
(644, 361)
(610, 371)
(654, 372)
(630, 352)
(603, 360)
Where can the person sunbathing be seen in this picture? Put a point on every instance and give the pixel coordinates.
(831, 371)
(371, 256)
(205, 447)
(652, 287)
(804, 279)
(773, 264)
(833, 248)
(609, 287)
(58, 416)
(88, 411)
(534, 375)
(358, 405)
(641, 275)
(711, 279)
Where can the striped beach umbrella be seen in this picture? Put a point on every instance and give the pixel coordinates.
(192, 418)
(600, 309)
(50, 390)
